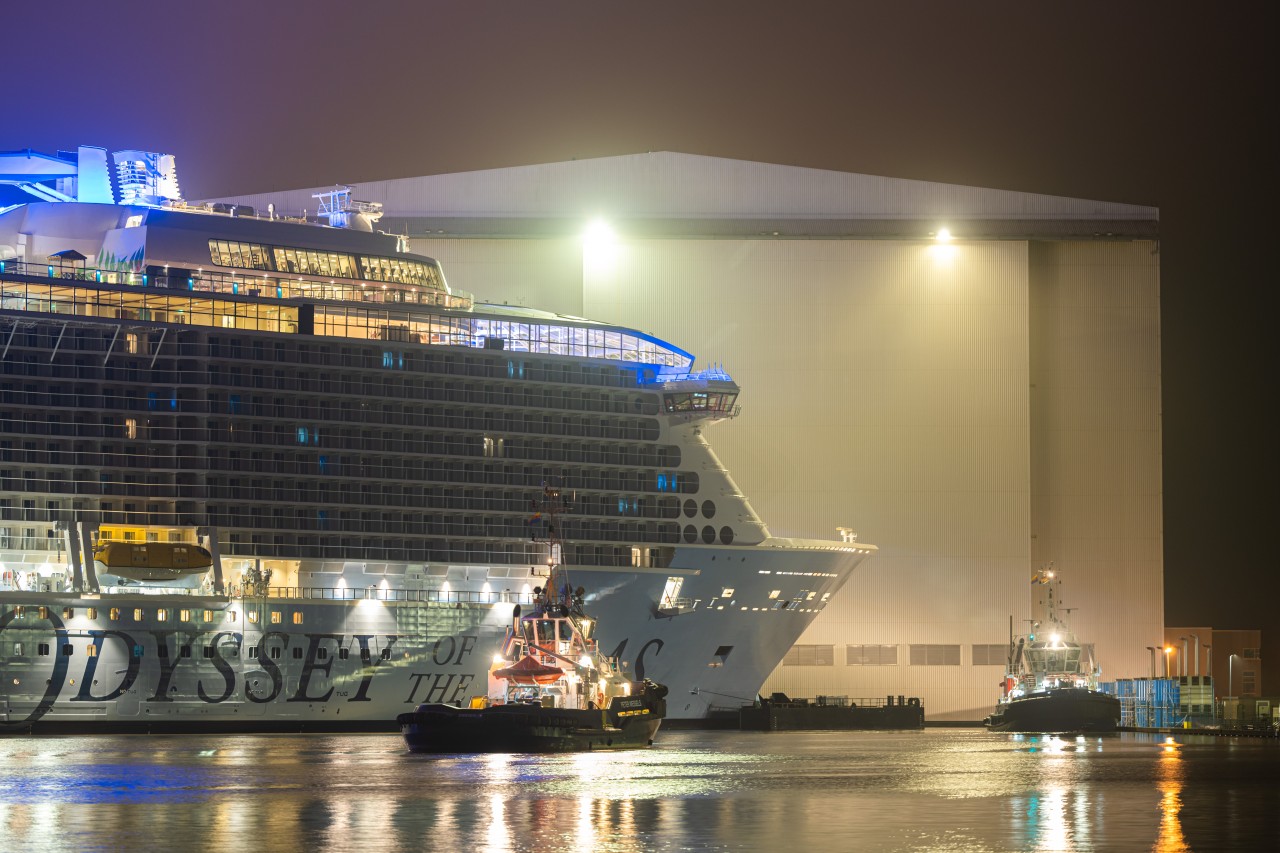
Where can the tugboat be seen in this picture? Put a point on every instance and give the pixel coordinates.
(551, 689)
(1051, 683)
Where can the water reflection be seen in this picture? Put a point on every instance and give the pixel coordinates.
(951, 790)
(1170, 771)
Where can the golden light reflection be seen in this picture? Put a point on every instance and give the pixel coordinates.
(1170, 771)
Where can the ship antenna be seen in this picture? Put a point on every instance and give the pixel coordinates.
(558, 592)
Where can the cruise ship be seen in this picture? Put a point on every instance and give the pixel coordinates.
(266, 472)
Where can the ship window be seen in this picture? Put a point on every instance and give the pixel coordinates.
(137, 614)
(44, 612)
(297, 617)
(114, 614)
(253, 652)
(322, 653)
(207, 651)
(253, 616)
(133, 221)
(92, 613)
(297, 652)
(364, 656)
(208, 616)
(67, 650)
(185, 651)
(231, 616)
(276, 617)
(386, 653)
(137, 651)
(275, 651)
(184, 615)
(162, 615)
(775, 593)
(162, 650)
(343, 654)
(42, 649)
(727, 592)
(91, 650)
(68, 612)
(810, 655)
(131, 343)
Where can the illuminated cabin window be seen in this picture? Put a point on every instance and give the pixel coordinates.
(727, 592)
(92, 613)
(671, 593)
(208, 616)
(297, 617)
(18, 611)
(137, 614)
(44, 612)
(253, 616)
(130, 427)
(91, 650)
(131, 343)
(162, 615)
(184, 615)
(256, 256)
(774, 593)
(68, 612)
(276, 617)
(114, 614)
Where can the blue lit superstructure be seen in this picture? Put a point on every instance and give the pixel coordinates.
(355, 443)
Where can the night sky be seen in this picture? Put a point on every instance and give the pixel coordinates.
(1141, 103)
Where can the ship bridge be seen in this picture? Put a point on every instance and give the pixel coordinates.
(710, 394)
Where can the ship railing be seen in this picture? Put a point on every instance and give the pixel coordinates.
(375, 593)
(782, 701)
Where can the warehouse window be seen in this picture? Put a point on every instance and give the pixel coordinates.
(810, 656)
(935, 655)
(871, 655)
(990, 654)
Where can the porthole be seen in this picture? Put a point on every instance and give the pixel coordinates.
(690, 533)
(708, 534)
(726, 535)
(709, 509)
(691, 507)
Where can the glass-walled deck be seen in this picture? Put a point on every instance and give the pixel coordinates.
(134, 297)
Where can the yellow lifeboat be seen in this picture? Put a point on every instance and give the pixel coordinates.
(150, 562)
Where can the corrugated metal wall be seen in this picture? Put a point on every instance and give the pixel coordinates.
(975, 411)
(1096, 441)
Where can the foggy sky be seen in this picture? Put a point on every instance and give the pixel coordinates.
(1136, 102)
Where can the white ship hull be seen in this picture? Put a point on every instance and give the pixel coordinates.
(355, 665)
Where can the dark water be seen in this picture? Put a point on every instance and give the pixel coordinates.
(937, 790)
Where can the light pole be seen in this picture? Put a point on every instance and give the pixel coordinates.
(1152, 649)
